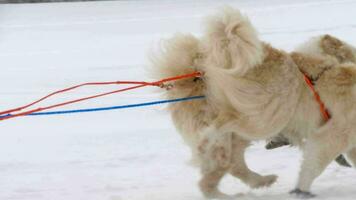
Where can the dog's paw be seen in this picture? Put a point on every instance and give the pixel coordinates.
(216, 194)
(302, 194)
(265, 181)
(276, 144)
(341, 160)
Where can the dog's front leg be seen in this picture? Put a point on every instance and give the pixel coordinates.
(351, 154)
(321, 148)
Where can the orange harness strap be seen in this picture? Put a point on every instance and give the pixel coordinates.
(323, 109)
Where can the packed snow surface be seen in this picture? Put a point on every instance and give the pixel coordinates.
(133, 154)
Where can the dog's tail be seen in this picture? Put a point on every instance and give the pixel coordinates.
(233, 41)
(178, 55)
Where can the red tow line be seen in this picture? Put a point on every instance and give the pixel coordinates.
(138, 84)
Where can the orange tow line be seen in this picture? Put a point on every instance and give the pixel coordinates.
(137, 84)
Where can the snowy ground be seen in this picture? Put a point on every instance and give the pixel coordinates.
(132, 154)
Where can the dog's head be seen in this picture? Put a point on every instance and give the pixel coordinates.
(178, 56)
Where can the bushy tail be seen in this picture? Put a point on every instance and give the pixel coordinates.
(233, 42)
(177, 56)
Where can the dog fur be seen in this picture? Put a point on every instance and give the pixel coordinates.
(255, 92)
(314, 57)
(216, 153)
(328, 47)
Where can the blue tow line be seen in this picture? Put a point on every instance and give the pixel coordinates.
(61, 112)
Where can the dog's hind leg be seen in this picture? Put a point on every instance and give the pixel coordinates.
(215, 155)
(240, 170)
(321, 148)
(209, 183)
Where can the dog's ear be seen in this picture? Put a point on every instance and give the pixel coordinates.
(233, 41)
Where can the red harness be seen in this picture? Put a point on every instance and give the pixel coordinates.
(323, 109)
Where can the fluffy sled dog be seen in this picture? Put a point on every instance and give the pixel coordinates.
(314, 57)
(255, 92)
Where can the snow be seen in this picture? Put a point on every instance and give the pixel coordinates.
(132, 154)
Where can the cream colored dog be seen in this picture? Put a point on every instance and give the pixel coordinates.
(255, 92)
(325, 49)
(215, 152)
